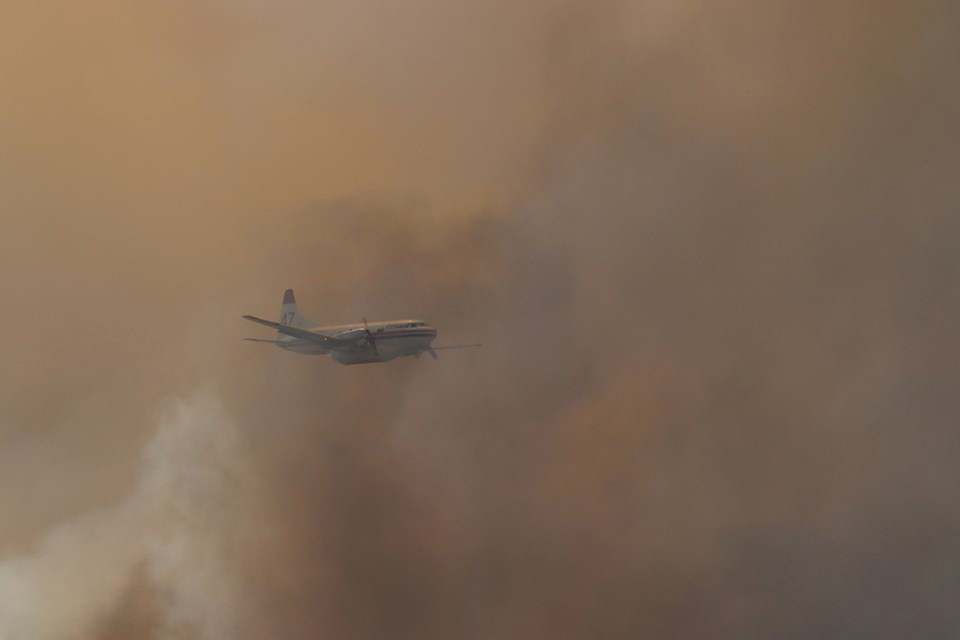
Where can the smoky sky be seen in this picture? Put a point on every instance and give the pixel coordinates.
(709, 248)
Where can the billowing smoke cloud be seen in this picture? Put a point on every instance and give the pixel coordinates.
(159, 564)
(710, 251)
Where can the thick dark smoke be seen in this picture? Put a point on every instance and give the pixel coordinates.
(710, 250)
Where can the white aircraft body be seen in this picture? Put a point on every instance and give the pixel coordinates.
(351, 343)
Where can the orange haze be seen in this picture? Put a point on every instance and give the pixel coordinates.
(711, 250)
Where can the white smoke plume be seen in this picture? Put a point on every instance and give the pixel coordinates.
(166, 536)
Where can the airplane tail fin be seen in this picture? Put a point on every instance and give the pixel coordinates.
(290, 313)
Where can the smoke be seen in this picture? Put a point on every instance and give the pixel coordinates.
(158, 564)
(709, 251)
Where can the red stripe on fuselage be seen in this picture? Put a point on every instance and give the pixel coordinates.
(398, 334)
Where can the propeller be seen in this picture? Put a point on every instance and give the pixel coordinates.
(369, 338)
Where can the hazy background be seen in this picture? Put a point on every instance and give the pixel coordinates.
(710, 247)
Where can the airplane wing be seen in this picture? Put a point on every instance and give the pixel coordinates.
(458, 346)
(262, 340)
(309, 336)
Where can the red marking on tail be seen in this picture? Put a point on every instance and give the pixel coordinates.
(288, 297)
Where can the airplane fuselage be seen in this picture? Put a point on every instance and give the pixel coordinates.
(357, 343)
(386, 341)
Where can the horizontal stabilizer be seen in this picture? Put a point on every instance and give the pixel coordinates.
(458, 346)
(262, 340)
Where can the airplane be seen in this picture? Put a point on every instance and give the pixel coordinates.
(351, 343)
